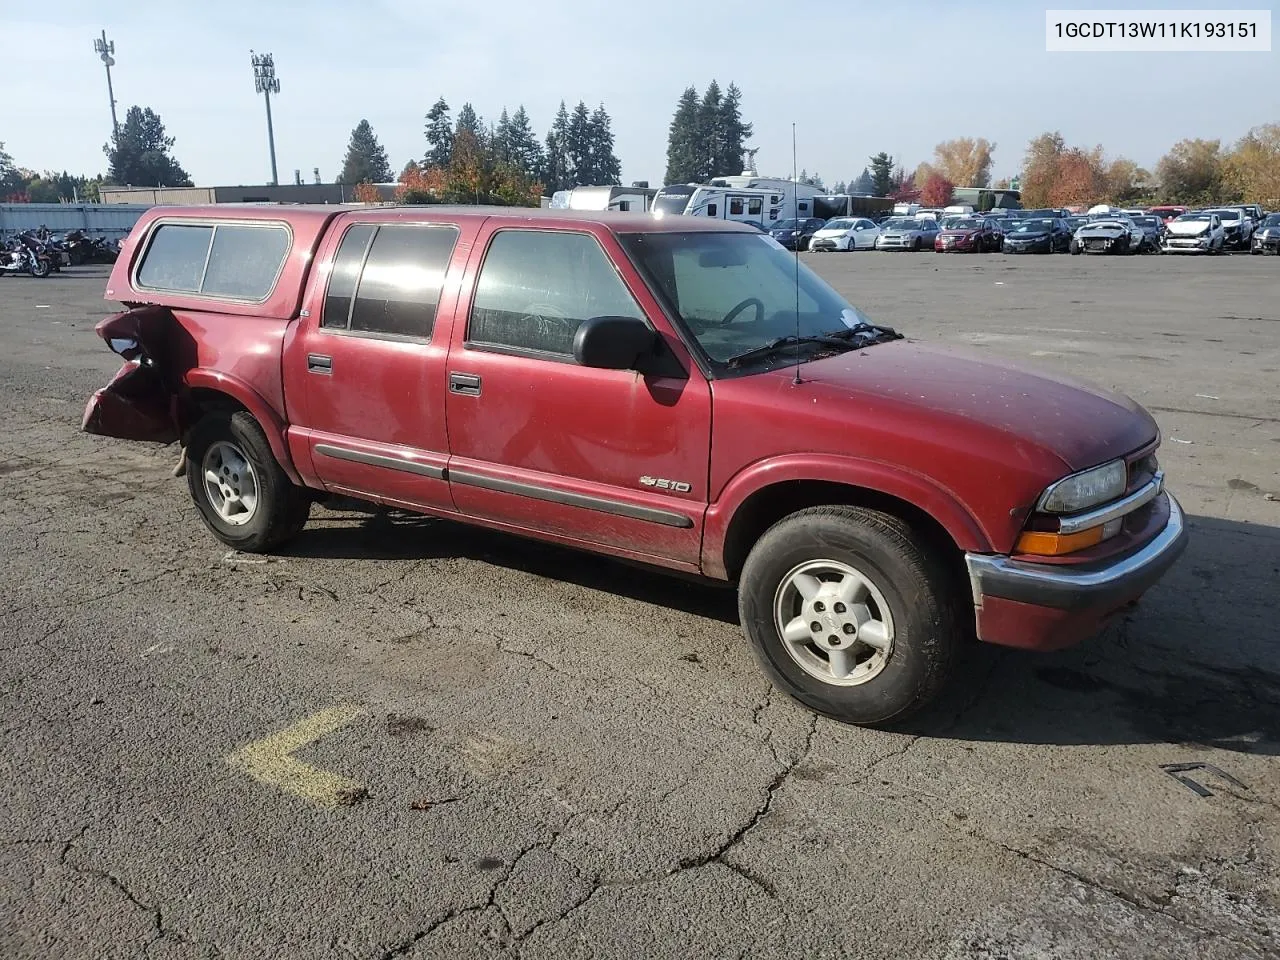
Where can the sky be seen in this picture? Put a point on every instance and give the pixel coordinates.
(854, 76)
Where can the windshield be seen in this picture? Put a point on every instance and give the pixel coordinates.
(962, 223)
(840, 223)
(1033, 226)
(736, 292)
(1147, 221)
(671, 201)
(1193, 218)
(786, 225)
(1226, 214)
(1272, 220)
(901, 223)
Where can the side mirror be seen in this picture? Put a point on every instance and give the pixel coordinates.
(614, 343)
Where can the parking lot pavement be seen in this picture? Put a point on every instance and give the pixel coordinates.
(401, 737)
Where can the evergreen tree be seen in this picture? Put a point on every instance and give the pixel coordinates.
(525, 151)
(439, 136)
(557, 168)
(864, 183)
(682, 140)
(500, 139)
(605, 166)
(138, 153)
(840, 187)
(366, 161)
(11, 181)
(468, 122)
(581, 170)
(881, 174)
(711, 134)
(733, 132)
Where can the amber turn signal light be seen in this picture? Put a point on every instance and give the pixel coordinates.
(1057, 544)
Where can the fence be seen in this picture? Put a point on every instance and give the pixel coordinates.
(113, 220)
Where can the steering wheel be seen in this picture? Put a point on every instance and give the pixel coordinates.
(749, 302)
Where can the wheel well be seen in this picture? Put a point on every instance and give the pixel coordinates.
(767, 506)
(202, 400)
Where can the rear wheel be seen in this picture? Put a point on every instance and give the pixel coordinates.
(244, 497)
(848, 614)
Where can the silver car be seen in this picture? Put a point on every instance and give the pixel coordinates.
(907, 233)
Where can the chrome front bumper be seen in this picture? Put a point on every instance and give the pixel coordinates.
(1100, 584)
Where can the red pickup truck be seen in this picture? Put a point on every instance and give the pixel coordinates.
(676, 391)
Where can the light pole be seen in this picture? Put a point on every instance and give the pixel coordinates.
(265, 82)
(105, 48)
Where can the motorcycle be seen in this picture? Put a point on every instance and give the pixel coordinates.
(25, 255)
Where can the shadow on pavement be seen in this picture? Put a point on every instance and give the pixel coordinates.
(1197, 661)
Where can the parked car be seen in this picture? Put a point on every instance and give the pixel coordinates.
(845, 233)
(1237, 228)
(795, 234)
(1152, 232)
(1108, 234)
(907, 233)
(1167, 213)
(1194, 233)
(967, 234)
(296, 352)
(1266, 236)
(1040, 235)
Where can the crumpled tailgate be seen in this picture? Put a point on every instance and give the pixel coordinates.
(141, 401)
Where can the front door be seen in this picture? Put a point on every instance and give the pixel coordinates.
(367, 366)
(610, 458)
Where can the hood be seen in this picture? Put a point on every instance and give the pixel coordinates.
(960, 390)
(959, 233)
(1186, 228)
(1037, 234)
(833, 231)
(1101, 230)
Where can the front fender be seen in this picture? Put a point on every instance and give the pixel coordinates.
(894, 481)
(273, 425)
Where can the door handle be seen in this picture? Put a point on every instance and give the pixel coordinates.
(318, 363)
(467, 384)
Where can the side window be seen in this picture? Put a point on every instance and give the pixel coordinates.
(712, 210)
(624, 205)
(230, 260)
(537, 286)
(754, 206)
(803, 206)
(400, 285)
(735, 206)
(343, 276)
(387, 279)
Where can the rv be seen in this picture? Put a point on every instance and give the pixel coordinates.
(629, 199)
(763, 205)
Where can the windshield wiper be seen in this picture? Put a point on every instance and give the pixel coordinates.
(850, 338)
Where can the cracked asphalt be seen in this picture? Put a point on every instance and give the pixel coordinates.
(570, 758)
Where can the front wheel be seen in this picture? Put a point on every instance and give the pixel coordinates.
(41, 267)
(849, 614)
(244, 497)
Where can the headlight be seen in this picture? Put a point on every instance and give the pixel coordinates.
(1080, 491)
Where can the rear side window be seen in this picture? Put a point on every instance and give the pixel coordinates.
(537, 286)
(387, 279)
(233, 261)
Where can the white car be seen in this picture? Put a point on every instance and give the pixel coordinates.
(1237, 226)
(846, 233)
(1194, 233)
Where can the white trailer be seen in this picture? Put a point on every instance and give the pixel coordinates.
(626, 199)
(762, 205)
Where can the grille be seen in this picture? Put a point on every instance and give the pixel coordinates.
(1095, 243)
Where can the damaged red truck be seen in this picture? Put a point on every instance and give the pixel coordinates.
(671, 391)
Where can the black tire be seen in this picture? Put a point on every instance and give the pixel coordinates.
(41, 268)
(927, 618)
(282, 508)
(915, 245)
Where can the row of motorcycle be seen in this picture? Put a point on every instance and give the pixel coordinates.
(38, 254)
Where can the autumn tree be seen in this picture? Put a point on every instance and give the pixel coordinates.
(366, 193)
(139, 153)
(1252, 168)
(366, 160)
(1191, 172)
(937, 191)
(881, 174)
(904, 188)
(965, 160)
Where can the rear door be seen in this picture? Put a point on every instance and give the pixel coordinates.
(610, 458)
(365, 370)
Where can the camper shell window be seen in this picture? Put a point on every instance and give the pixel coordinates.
(231, 261)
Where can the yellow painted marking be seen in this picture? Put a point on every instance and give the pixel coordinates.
(269, 760)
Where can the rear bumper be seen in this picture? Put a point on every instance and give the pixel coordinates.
(1045, 607)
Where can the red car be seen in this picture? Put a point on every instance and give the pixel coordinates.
(968, 234)
(655, 390)
(1167, 213)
